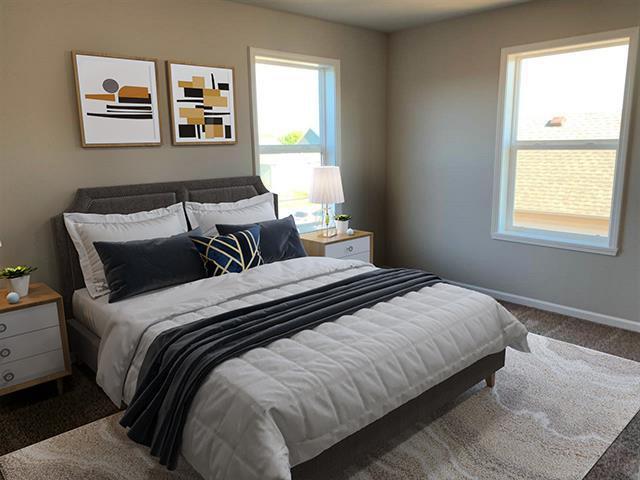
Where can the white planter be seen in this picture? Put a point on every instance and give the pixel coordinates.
(342, 226)
(20, 285)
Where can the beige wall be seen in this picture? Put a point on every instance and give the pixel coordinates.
(42, 163)
(442, 96)
(436, 173)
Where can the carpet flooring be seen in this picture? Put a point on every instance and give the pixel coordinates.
(38, 413)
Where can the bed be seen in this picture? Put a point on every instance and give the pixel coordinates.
(301, 404)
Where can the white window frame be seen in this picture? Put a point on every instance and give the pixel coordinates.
(507, 145)
(329, 94)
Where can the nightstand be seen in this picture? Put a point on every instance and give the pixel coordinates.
(33, 340)
(358, 246)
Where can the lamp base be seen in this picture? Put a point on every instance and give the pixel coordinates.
(328, 233)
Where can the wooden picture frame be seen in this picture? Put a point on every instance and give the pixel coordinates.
(193, 124)
(117, 98)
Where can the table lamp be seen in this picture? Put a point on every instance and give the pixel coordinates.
(326, 188)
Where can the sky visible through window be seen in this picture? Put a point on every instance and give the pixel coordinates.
(288, 102)
(569, 84)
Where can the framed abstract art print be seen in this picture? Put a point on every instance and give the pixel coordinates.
(202, 104)
(117, 100)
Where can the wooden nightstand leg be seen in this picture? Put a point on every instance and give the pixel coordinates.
(60, 385)
(491, 380)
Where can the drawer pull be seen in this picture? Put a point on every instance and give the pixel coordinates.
(5, 352)
(8, 376)
(3, 328)
(350, 248)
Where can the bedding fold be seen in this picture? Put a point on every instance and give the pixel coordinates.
(180, 359)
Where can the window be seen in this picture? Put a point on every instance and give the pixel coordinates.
(295, 126)
(562, 140)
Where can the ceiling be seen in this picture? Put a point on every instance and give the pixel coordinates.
(382, 15)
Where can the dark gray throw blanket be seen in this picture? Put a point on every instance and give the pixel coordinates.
(179, 360)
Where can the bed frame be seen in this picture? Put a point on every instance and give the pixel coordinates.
(130, 199)
(384, 433)
(136, 198)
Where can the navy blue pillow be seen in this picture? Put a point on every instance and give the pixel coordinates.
(140, 266)
(279, 239)
(231, 253)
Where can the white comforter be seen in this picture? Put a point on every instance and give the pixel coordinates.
(275, 407)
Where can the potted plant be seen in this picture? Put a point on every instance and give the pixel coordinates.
(342, 223)
(18, 277)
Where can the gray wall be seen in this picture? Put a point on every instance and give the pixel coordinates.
(42, 163)
(442, 97)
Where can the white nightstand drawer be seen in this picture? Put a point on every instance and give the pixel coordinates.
(28, 319)
(348, 247)
(29, 344)
(31, 368)
(364, 256)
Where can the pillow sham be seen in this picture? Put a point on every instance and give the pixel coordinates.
(139, 266)
(248, 210)
(279, 239)
(233, 253)
(87, 228)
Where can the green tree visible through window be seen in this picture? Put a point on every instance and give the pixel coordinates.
(291, 138)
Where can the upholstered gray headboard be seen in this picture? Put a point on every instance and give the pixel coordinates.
(137, 198)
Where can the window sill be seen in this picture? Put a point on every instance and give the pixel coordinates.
(543, 241)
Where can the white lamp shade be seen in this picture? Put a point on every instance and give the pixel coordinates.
(326, 185)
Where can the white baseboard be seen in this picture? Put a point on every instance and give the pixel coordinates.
(556, 308)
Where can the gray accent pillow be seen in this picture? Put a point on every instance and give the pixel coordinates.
(139, 266)
(279, 239)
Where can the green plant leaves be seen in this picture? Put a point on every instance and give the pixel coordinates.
(17, 271)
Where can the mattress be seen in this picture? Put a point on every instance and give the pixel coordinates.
(97, 314)
(91, 313)
(259, 414)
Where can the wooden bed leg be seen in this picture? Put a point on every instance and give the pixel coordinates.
(60, 385)
(491, 380)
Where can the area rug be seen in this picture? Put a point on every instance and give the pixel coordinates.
(551, 415)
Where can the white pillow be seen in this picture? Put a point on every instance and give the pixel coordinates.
(249, 210)
(86, 228)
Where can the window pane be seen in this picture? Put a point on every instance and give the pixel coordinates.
(288, 107)
(564, 190)
(289, 175)
(572, 96)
